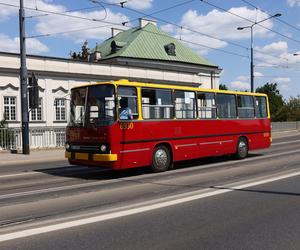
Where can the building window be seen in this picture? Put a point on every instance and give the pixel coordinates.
(36, 114)
(60, 109)
(185, 105)
(157, 104)
(10, 108)
(170, 49)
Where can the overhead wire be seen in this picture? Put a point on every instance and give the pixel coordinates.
(174, 24)
(73, 10)
(249, 20)
(111, 23)
(278, 19)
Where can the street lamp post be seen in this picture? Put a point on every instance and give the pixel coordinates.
(251, 51)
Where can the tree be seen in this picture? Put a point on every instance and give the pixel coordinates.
(223, 87)
(293, 107)
(278, 108)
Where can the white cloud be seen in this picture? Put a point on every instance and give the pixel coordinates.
(169, 28)
(33, 46)
(284, 83)
(258, 74)
(218, 24)
(247, 78)
(7, 11)
(274, 48)
(282, 80)
(53, 24)
(275, 54)
(239, 85)
(293, 3)
(135, 4)
(243, 78)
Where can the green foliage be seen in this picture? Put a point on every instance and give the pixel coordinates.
(223, 87)
(293, 109)
(278, 108)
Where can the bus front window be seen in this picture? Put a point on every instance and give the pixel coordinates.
(93, 106)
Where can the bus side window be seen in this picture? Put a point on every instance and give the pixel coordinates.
(245, 106)
(260, 107)
(185, 104)
(157, 103)
(127, 98)
(207, 105)
(226, 105)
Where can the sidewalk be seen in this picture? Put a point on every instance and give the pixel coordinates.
(36, 156)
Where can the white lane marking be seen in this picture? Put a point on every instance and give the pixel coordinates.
(19, 174)
(55, 189)
(113, 215)
(285, 142)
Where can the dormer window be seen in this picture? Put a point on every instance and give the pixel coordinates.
(170, 49)
(116, 46)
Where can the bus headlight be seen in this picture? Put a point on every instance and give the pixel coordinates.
(103, 148)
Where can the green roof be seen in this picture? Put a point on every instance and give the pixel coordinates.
(149, 43)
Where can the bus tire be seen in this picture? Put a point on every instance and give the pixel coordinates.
(161, 159)
(242, 148)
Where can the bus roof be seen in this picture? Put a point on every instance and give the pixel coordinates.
(124, 82)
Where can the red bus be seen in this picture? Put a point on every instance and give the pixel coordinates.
(122, 124)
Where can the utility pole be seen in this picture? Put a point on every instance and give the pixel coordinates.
(251, 51)
(23, 82)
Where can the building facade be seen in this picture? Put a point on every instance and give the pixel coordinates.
(168, 61)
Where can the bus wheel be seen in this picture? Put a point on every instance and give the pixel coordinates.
(242, 148)
(161, 159)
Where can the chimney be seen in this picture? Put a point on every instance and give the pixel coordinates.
(144, 22)
(115, 31)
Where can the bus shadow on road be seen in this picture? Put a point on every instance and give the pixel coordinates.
(255, 191)
(100, 173)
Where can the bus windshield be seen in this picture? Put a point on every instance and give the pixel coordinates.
(92, 106)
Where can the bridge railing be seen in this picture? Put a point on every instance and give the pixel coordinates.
(42, 137)
(285, 126)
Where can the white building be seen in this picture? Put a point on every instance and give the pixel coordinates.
(148, 55)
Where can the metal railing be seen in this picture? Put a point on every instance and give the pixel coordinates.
(43, 137)
(285, 126)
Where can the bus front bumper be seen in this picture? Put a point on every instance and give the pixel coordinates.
(91, 157)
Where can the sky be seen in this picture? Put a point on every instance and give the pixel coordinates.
(209, 27)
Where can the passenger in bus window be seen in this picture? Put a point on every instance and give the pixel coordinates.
(125, 111)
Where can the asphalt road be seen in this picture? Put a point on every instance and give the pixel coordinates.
(215, 203)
